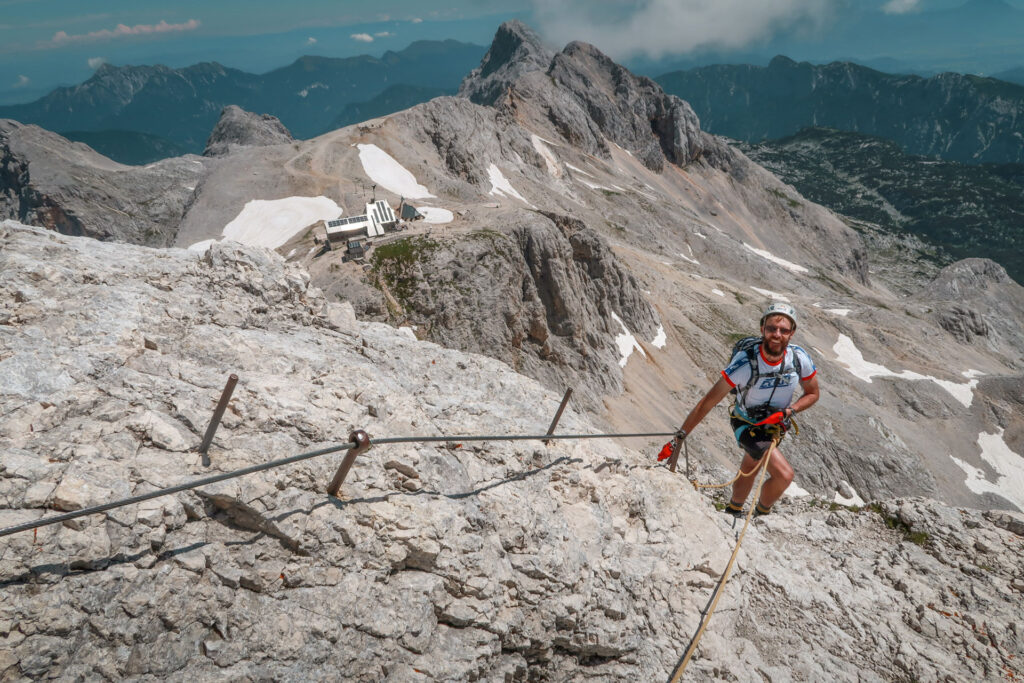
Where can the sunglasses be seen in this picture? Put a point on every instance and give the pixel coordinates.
(772, 329)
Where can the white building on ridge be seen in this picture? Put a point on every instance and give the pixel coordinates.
(378, 218)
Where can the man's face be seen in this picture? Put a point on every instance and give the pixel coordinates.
(776, 331)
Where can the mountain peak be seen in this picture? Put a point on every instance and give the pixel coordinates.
(238, 127)
(515, 50)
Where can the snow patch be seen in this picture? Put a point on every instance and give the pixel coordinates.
(382, 169)
(201, 247)
(626, 342)
(501, 185)
(1007, 465)
(718, 292)
(435, 215)
(795, 491)
(272, 222)
(770, 294)
(855, 500)
(660, 339)
(541, 145)
(578, 170)
(687, 258)
(788, 265)
(849, 355)
(838, 311)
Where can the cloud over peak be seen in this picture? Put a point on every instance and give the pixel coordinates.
(655, 28)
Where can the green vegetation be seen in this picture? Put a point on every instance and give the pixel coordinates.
(784, 197)
(915, 537)
(397, 264)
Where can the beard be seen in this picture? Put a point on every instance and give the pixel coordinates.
(774, 348)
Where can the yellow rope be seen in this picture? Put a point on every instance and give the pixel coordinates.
(763, 466)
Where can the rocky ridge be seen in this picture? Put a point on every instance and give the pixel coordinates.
(49, 181)
(237, 127)
(508, 561)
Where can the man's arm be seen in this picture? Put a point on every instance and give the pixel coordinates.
(710, 400)
(809, 397)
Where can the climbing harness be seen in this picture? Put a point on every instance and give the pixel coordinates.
(763, 467)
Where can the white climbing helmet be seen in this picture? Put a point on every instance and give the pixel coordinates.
(780, 308)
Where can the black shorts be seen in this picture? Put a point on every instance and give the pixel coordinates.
(753, 439)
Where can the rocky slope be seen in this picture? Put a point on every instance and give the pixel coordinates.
(49, 181)
(952, 116)
(963, 209)
(237, 127)
(493, 561)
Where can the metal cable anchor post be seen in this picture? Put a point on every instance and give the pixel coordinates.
(362, 443)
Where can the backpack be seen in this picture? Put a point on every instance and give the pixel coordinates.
(748, 345)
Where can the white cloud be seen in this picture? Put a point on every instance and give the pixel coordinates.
(417, 20)
(311, 41)
(22, 81)
(655, 28)
(362, 37)
(61, 38)
(383, 34)
(900, 6)
(97, 62)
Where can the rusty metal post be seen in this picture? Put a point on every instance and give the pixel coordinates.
(558, 415)
(362, 441)
(218, 413)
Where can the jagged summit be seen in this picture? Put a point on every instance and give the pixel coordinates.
(516, 50)
(238, 127)
(586, 96)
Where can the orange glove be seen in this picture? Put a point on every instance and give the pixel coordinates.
(666, 452)
(773, 419)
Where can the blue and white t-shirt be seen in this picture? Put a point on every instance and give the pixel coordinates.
(776, 382)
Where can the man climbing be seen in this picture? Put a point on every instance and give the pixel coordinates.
(764, 374)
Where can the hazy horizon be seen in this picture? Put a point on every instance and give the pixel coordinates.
(64, 48)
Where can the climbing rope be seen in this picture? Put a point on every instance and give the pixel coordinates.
(57, 519)
(763, 467)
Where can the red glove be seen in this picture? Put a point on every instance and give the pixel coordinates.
(666, 452)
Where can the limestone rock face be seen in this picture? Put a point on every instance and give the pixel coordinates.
(542, 295)
(239, 128)
(515, 50)
(588, 98)
(976, 302)
(49, 181)
(448, 562)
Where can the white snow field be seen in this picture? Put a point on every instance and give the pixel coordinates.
(501, 185)
(272, 222)
(1008, 467)
(435, 215)
(718, 292)
(849, 355)
(788, 265)
(626, 342)
(382, 169)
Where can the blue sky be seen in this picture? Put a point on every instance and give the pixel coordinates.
(46, 43)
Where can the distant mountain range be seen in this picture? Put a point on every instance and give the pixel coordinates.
(965, 209)
(950, 116)
(179, 107)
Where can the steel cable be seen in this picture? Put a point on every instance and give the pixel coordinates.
(28, 526)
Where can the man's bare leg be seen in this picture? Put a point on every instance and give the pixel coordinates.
(780, 476)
